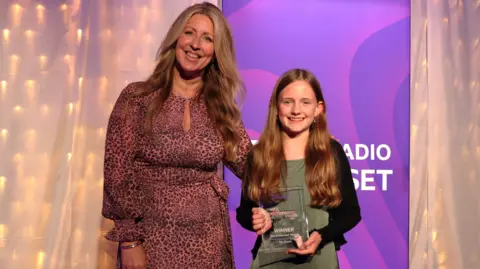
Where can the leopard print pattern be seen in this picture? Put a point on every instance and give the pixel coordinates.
(163, 188)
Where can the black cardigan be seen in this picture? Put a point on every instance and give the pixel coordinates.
(341, 219)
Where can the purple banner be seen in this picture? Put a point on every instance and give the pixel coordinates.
(359, 50)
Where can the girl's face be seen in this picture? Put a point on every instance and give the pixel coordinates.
(297, 107)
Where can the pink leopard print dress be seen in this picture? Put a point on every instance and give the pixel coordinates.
(164, 188)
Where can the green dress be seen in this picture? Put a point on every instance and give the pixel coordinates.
(326, 258)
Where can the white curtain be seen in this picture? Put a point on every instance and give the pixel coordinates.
(62, 67)
(445, 134)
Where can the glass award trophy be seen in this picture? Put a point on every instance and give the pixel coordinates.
(289, 220)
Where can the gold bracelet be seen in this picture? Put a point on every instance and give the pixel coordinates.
(131, 245)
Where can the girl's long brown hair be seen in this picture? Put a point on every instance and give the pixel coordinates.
(267, 161)
(221, 80)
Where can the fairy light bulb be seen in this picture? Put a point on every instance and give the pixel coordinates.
(43, 61)
(79, 35)
(29, 35)
(3, 134)
(17, 109)
(14, 61)
(44, 110)
(3, 89)
(3, 229)
(40, 259)
(3, 183)
(16, 14)
(30, 86)
(6, 35)
(40, 14)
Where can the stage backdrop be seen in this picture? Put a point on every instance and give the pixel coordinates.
(360, 52)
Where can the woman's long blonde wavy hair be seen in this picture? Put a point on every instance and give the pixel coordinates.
(221, 81)
(267, 166)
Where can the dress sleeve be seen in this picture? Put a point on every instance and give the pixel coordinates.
(123, 196)
(347, 214)
(245, 145)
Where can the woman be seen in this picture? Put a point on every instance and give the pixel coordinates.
(165, 139)
(295, 149)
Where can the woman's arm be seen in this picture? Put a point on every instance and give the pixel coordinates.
(244, 146)
(122, 197)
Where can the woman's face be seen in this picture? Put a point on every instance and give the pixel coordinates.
(297, 107)
(195, 46)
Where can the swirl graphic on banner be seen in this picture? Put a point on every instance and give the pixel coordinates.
(359, 50)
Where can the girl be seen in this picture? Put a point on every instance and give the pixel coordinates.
(295, 149)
